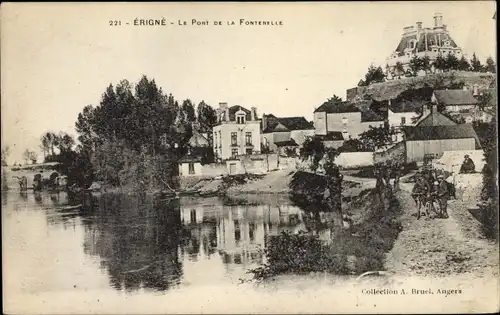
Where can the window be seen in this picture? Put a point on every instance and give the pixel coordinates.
(240, 119)
(403, 121)
(248, 138)
(220, 139)
(191, 168)
(234, 138)
(248, 151)
(234, 153)
(215, 139)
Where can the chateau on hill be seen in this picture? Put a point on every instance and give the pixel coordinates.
(422, 41)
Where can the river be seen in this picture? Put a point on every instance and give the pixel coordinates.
(138, 245)
(123, 254)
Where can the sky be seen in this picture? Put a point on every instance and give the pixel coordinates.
(58, 58)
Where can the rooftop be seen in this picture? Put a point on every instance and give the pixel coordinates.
(455, 97)
(286, 123)
(420, 133)
(338, 107)
(331, 136)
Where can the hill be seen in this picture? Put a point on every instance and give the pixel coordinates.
(391, 89)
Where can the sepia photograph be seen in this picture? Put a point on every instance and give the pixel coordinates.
(237, 158)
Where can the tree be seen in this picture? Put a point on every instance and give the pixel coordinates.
(399, 69)
(415, 64)
(374, 75)
(187, 112)
(65, 142)
(335, 99)
(476, 65)
(375, 138)
(463, 64)
(5, 155)
(207, 116)
(439, 63)
(490, 65)
(451, 62)
(312, 149)
(484, 100)
(29, 155)
(425, 63)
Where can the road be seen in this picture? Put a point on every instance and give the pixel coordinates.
(441, 246)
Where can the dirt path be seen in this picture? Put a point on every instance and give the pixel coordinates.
(440, 246)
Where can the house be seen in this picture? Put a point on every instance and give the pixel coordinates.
(237, 132)
(338, 116)
(422, 141)
(287, 131)
(190, 165)
(402, 114)
(198, 140)
(422, 41)
(334, 139)
(458, 101)
(432, 117)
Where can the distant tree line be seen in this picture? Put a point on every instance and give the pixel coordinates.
(441, 63)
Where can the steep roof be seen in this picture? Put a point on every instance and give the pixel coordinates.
(461, 131)
(337, 108)
(455, 97)
(431, 36)
(289, 143)
(190, 158)
(370, 115)
(435, 118)
(296, 123)
(236, 108)
(331, 136)
(286, 124)
(198, 140)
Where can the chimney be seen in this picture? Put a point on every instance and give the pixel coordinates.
(264, 121)
(475, 90)
(419, 26)
(434, 108)
(438, 20)
(253, 113)
(224, 109)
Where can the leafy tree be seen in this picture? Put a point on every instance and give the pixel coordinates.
(476, 65)
(335, 99)
(399, 69)
(375, 137)
(439, 63)
(463, 64)
(451, 62)
(187, 112)
(374, 75)
(207, 116)
(29, 155)
(490, 65)
(85, 127)
(425, 63)
(415, 65)
(489, 193)
(312, 149)
(65, 142)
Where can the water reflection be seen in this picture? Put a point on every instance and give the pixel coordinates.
(141, 243)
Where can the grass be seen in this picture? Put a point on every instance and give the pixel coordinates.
(355, 250)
